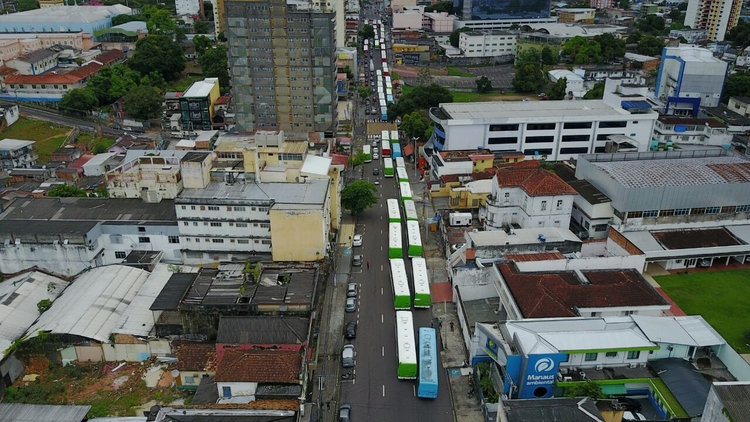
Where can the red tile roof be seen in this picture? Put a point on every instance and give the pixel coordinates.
(263, 366)
(224, 99)
(71, 77)
(6, 71)
(195, 356)
(339, 160)
(81, 161)
(559, 294)
(530, 257)
(533, 179)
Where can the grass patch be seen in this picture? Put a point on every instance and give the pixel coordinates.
(668, 397)
(183, 83)
(457, 71)
(721, 297)
(48, 137)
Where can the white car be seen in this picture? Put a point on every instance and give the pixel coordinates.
(375, 156)
(357, 240)
(630, 416)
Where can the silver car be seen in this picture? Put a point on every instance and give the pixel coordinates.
(351, 304)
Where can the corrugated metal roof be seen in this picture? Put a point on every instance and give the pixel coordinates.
(735, 396)
(91, 306)
(18, 412)
(686, 384)
(18, 299)
(262, 330)
(138, 320)
(172, 293)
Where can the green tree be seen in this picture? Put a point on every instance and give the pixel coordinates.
(158, 53)
(202, 43)
(595, 93)
(367, 31)
(456, 35)
(214, 65)
(201, 27)
(358, 196)
(529, 75)
(420, 98)
(221, 37)
(651, 24)
(585, 389)
(549, 57)
(101, 191)
(24, 5)
(364, 91)
(740, 34)
(78, 101)
(736, 85)
(66, 191)
(558, 90)
(634, 37)
(357, 159)
(349, 74)
(414, 125)
(583, 51)
(483, 85)
(624, 4)
(650, 46)
(112, 83)
(443, 6)
(144, 102)
(611, 48)
(121, 19)
(44, 305)
(160, 21)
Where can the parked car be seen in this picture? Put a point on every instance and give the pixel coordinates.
(630, 416)
(375, 156)
(351, 330)
(351, 304)
(376, 172)
(357, 260)
(351, 290)
(626, 403)
(357, 240)
(345, 413)
(347, 356)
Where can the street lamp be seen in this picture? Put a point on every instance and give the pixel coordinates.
(415, 138)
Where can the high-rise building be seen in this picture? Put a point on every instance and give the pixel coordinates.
(220, 15)
(497, 9)
(716, 16)
(281, 59)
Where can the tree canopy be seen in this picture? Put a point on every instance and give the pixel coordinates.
(558, 90)
(66, 191)
(143, 102)
(78, 101)
(736, 85)
(367, 31)
(201, 27)
(112, 82)
(414, 125)
(455, 35)
(583, 50)
(420, 98)
(650, 45)
(529, 75)
(740, 34)
(214, 65)
(611, 48)
(202, 43)
(358, 196)
(595, 93)
(158, 53)
(549, 56)
(651, 24)
(443, 6)
(483, 84)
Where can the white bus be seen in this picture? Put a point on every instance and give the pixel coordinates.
(367, 152)
(405, 191)
(399, 161)
(400, 283)
(394, 212)
(410, 211)
(415, 239)
(394, 136)
(388, 168)
(407, 348)
(385, 135)
(421, 283)
(395, 247)
(402, 175)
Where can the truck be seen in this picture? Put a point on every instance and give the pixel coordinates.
(372, 66)
(460, 219)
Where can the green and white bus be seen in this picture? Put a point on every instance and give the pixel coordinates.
(395, 247)
(403, 176)
(394, 136)
(400, 284)
(385, 135)
(422, 297)
(367, 152)
(394, 213)
(415, 239)
(405, 190)
(410, 211)
(388, 168)
(407, 348)
(399, 162)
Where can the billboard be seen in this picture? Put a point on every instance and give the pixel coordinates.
(538, 377)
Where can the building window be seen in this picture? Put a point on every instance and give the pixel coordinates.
(606, 125)
(743, 208)
(559, 204)
(243, 241)
(579, 150)
(635, 354)
(215, 224)
(539, 139)
(266, 242)
(141, 229)
(544, 205)
(115, 239)
(611, 355)
(239, 209)
(241, 224)
(651, 214)
(541, 126)
(503, 140)
(682, 211)
(144, 239)
(263, 209)
(575, 138)
(591, 357)
(120, 254)
(713, 210)
(183, 207)
(173, 239)
(213, 208)
(635, 214)
(577, 125)
(503, 128)
(217, 240)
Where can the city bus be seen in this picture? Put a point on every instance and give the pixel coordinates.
(405, 191)
(377, 44)
(394, 212)
(400, 284)
(427, 385)
(401, 174)
(415, 239)
(379, 74)
(385, 70)
(388, 168)
(395, 247)
(394, 136)
(399, 162)
(365, 48)
(422, 297)
(385, 135)
(382, 56)
(396, 150)
(384, 113)
(385, 150)
(410, 211)
(367, 152)
(407, 348)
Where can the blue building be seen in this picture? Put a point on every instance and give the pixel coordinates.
(61, 19)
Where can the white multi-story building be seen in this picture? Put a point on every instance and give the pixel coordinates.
(670, 130)
(717, 17)
(689, 78)
(408, 18)
(526, 195)
(487, 43)
(557, 130)
(17, 153)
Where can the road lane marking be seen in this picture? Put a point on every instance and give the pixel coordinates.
(382, 351)
(381, 232)
(414, 390)
(381, 247)
(381, 291)
(381, 265)
(383, 390)
(381, 318)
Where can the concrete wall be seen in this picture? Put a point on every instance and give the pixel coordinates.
(126, 352)
(62, 259)
(600, 263)
(713, 411)
(298, 235)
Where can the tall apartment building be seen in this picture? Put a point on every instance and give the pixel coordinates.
(716, 16)
(281, 59)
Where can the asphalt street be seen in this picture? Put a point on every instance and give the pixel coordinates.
(53, 117)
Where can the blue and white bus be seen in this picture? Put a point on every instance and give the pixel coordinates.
(396, 151)
(427, 386)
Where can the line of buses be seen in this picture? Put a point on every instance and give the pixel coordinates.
(417, 357)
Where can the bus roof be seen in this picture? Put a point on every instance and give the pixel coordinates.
(385, 135)
(427, 355)
(405, 189)
(394, 235)
(388, 163)
(400, 280)
(412, 231)
(405, 337)
(393, 209)
(419, 274)
(410, 209)
(402, 174)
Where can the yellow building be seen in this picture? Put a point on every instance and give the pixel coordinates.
(576, 15)
(50, 3)
(464, 191)
(300, 232)
(266, 155)
(317, 167)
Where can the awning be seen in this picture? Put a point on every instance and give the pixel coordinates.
(614, 389)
